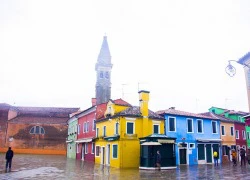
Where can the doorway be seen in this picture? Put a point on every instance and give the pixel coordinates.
(103, 155)
(108, 155)
(83, 150)
(209, 153)
(183, 156)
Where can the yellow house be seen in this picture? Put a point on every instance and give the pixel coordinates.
(117, 134)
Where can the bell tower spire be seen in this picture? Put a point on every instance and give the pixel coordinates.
(103, 73)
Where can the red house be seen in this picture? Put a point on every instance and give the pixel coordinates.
(86, 132)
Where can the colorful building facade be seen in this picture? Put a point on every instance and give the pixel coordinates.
(197, 136)
(118, 133)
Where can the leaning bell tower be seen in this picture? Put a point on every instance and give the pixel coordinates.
(103, 74)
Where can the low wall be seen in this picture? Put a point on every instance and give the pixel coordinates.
(35, 151)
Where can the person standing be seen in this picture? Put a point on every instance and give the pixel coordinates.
(234, 157)
(158, 160)
(9, 155)
(242, 156)
(215, 158)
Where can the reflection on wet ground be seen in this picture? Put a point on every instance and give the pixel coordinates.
(59, 167)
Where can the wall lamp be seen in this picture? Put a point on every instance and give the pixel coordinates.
(231, 70)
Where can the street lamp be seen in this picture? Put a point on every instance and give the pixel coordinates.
(231, 70)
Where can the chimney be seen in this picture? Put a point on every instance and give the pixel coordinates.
(93, 101)
(172, 108)
(144, 98)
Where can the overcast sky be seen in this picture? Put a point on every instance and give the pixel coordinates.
(177, 50)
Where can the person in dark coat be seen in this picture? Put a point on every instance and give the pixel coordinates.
(158, 160)
(9, 155)
(242, 156)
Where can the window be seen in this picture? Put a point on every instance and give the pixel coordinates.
(237, 134)
(86, 148)
(79, 127)
(116, 128)
(114, 151)
(87, 126)
(84, 127)
(104, 131)
(77, 148)
(190, 125)
(94, 125)
(191, 146)
(130, 128)
(248, 135)
(97, 132)
(239, 118)
(93, 148)
(223, 130)
(37, 130)
(243, 134)
(232, 130)
(97, 151)
(101, 74)
(106, 75)
(199, 126)
(156, 128)
(214, 127)
(171, 124)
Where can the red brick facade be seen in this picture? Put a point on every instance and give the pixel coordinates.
(38, 130)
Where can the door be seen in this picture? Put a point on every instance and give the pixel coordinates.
(103, 155)
(83, 151)
(209, 153)
(183, 156)
(108, 155)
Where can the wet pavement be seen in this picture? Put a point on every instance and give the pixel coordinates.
(59, 167)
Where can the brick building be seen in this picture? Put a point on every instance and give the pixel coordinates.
(35, 130)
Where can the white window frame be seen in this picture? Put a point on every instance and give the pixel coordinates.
(202, 128)
(99, 151)
(216, 128)
(83, 127)
(127, 127)
(158, 128)
(97, 132)
(189, 145)
(116, 129)
(174, 124)
(87, 126)
(231, 130)
(104, 133)
(248, 135)
(86, 148)
(77, 148)
(237, 134)
(93, 148)
(113, 151)
(244, 134)
(93, 125)
(192, 124)
(222, 131)
(79, 128)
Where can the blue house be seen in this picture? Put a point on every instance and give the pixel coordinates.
(197, 136)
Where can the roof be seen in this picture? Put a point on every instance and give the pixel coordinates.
(38, 120)
(46, 111)
(236, 112)
(120, 102)
(134, 111)
(183, 113)
(101, 108)
(221, 117)
(243, 59)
